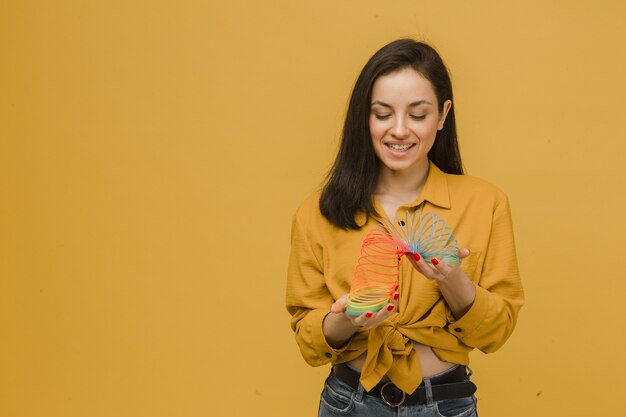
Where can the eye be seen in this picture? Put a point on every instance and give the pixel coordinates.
(422, 117)
(382, 116)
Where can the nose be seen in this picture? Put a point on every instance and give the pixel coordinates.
(399, 129)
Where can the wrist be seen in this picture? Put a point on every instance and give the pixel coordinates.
(338, 329)
(341, 321)
(455, 279)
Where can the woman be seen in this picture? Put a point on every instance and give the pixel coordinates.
(399, 154)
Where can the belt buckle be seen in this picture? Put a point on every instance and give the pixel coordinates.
(388, 402)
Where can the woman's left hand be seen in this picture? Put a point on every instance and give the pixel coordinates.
(457, 289)
(436, 269)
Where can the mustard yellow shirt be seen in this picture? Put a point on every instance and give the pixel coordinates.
(322, 264)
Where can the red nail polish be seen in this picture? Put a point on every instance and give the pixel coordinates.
(395, 296)
(435, 262)
(416, 256)
(368, 314)
(389, 308)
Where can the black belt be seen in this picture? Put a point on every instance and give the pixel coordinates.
(450, 385)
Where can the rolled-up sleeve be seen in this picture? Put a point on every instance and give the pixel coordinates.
(499, 293)
(308, 299)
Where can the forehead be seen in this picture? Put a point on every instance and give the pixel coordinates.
(403, 86)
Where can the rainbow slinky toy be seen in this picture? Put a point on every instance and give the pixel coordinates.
(376, 274)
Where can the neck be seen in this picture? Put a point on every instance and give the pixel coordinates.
(407, 182)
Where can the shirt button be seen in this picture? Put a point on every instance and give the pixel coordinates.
(458, 329)
(328, 355)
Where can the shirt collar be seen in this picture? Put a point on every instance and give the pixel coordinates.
(435, 189)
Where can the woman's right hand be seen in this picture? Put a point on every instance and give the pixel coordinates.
(339, 326)
(367, 319)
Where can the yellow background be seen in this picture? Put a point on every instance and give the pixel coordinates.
(152, 154)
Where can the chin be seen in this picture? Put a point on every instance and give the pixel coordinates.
(399, 167)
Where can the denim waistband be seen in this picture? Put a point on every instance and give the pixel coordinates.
(451, 383)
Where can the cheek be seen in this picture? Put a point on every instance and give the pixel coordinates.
(376, 130)
(428, 130)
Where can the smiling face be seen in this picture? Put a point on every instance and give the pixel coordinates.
(404, 120)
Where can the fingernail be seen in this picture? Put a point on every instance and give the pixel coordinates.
(368, 314)
(416, 256)
(395, 296)
(435, 262)
(389, 307)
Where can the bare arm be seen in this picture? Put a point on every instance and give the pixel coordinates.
(457, 289)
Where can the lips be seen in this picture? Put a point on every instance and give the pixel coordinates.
(399, 148)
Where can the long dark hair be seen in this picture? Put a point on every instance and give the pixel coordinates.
(353, 177)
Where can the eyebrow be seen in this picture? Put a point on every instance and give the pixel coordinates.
(413, 104)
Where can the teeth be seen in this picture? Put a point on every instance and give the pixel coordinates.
(399, 148)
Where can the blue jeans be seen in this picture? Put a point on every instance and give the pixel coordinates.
(338, 399)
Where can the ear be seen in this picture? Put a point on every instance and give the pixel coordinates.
(447, 105)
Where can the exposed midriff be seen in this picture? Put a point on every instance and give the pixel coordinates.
(429, 362)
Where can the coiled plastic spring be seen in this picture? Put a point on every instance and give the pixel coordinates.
(376, 274)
